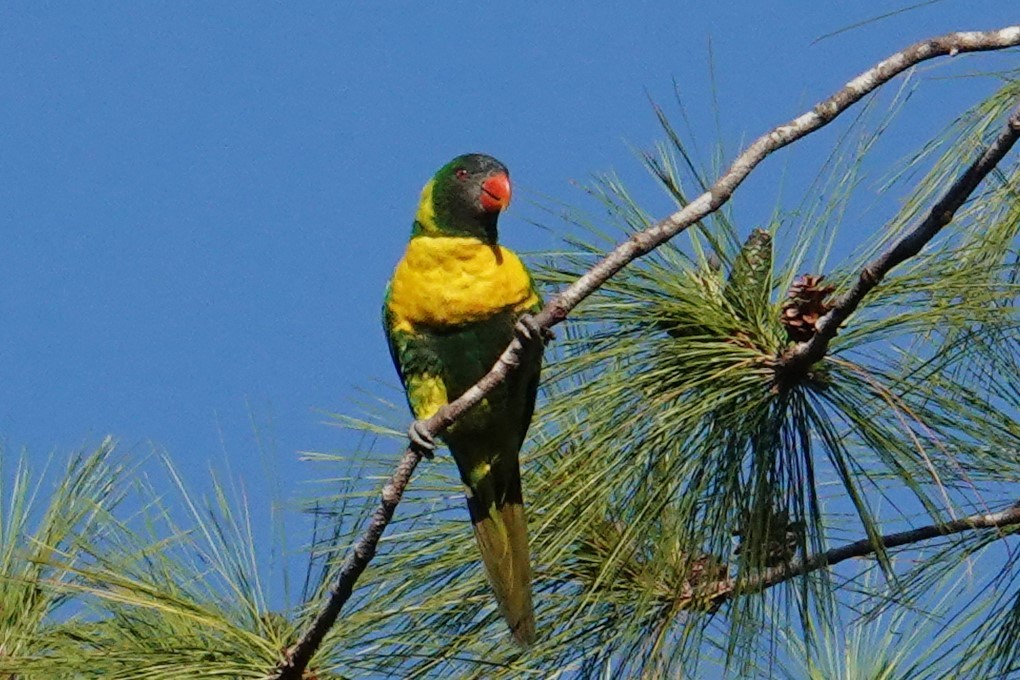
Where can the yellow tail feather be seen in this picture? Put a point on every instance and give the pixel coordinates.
(502, 535)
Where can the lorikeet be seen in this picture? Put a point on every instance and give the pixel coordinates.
(456, 300)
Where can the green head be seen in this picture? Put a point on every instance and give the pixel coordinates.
(464, 198)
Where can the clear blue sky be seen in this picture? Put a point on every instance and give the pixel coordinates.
(200, 203)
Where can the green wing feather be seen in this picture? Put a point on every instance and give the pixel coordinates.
(485, 443)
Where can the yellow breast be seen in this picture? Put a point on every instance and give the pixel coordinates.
(448, 281)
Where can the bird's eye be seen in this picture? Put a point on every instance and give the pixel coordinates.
(461, 173)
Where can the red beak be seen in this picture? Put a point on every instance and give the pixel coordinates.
(495, 193)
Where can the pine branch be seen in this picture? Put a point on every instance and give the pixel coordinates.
(641, 243)
(773, 576)
(806, 353)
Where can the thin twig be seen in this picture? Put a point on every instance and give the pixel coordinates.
(773, 576)
(803, 355)
(634, 247)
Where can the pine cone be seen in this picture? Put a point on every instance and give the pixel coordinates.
(752, 266)
(783, 540)
(805, 306)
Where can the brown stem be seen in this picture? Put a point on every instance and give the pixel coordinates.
(634, 247)
(775, 575)
(803, 355)
(301, 653)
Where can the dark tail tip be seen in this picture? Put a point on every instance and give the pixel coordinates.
(523, 631)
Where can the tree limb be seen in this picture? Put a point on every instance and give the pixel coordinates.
(634, 247)
(803, 355)
(727, 589)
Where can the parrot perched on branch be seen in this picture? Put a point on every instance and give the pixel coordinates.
(456, 300)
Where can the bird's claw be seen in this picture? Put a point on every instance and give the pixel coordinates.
(421, 438)
(528, 330)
